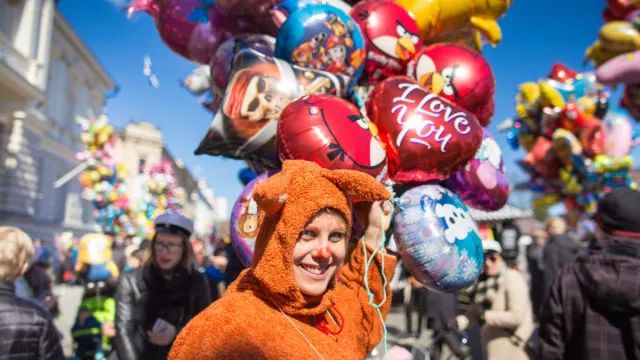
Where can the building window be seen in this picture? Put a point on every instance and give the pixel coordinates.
(141, 164)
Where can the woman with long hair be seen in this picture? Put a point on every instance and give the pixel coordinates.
(156, 301)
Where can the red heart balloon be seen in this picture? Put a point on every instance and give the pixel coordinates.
(426, 137)
(331, 132)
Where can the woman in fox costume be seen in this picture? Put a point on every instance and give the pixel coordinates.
(304, 296)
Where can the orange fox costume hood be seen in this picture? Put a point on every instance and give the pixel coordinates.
(247, 323)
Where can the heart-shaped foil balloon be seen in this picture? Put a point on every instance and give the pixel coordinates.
(437, 239)
(482, 183)
(331, 132)
(426, 137)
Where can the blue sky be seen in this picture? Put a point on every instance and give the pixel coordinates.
(535, 35)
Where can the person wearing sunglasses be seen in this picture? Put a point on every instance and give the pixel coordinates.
(501, 307)
(155, 301)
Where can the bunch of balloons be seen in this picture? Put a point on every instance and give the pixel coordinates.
(616, 52)
(395, 89)
(576, 148)
(103, 179)
(161, 193)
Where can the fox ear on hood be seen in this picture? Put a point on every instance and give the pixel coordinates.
(357, 186)
(271, 195)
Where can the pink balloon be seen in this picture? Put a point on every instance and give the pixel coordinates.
(190, 27)
(245, 7)
(618, 136)
(482, 183)
(622, 69)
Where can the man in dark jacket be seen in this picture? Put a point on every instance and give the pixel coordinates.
(593, 309)
(26, 329)
(560, 250)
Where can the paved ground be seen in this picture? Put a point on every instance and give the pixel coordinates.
(69, 298)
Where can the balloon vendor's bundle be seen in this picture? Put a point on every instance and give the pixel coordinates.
(395, 89)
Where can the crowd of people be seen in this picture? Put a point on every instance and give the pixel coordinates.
(314, 292)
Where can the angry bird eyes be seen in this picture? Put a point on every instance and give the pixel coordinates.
(415, 39)
(401, 31)
(447, 75)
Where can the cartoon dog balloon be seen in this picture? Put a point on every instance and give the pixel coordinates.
(437, 239)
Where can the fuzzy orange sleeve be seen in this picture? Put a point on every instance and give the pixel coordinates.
(352, 284)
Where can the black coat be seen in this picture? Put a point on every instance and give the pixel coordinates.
(26, 329)
(559, 251)
(132, 297)
(593, 310)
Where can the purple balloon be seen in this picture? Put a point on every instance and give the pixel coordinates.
(482, 183)
(244, 220)
(622, 69)
(191, 28)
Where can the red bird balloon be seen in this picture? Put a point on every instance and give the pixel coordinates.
(391, 35)
(458, 74)
(332, 133)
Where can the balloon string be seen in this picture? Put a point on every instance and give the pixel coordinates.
(368, 261)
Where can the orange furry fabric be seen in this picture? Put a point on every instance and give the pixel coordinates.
(246, 323)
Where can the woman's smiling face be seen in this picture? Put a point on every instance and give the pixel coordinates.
(319, 252)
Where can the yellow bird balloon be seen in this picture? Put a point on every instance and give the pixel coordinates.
(445, 18)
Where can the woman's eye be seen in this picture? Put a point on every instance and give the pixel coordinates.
(307, 235)
(336, 236)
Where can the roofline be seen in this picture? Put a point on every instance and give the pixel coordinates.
(87, 54)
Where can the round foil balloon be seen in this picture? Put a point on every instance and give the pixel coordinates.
(437, 238)
(618, 135)
(244, 221)
(281, 11)
(322, 37)
(426, 137)
(458, 74)
(332, 133)
(191, 28)
(482, 183)
(391, 34)
(259, 89)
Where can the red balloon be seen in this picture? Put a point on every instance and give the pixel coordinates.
(562, 73)
(426, 137)
(392, 37)
(458, 74)
(592, 137)
(331, 132)
(542, 159)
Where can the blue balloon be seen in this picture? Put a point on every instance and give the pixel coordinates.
(322, 37)
(246, 175)
(437, 239)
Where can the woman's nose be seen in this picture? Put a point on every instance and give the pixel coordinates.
(322, 252)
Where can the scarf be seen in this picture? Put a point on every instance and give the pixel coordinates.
(168, 299)
(485, 290)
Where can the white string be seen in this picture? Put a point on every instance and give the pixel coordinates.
(379, 249)
(299, 331)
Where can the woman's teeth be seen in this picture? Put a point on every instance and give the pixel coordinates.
(314, 269)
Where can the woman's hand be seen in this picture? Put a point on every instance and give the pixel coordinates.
(377, 217)
(164, 337)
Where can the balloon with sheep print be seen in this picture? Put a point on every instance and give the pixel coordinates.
(437, 239)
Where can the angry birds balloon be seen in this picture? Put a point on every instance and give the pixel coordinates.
(332, 133)
(391, 35)
(458, 74)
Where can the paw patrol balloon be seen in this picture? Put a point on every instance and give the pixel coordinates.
(322, 37)
(437, 239)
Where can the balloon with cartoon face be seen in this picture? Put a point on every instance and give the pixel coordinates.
(331, 132)
(322, 37)
(437, 238)
(458, 74)
(244, 220)
(260, 87)
(482, 183)
(391, 34)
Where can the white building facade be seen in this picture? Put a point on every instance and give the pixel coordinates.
(47, 77)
